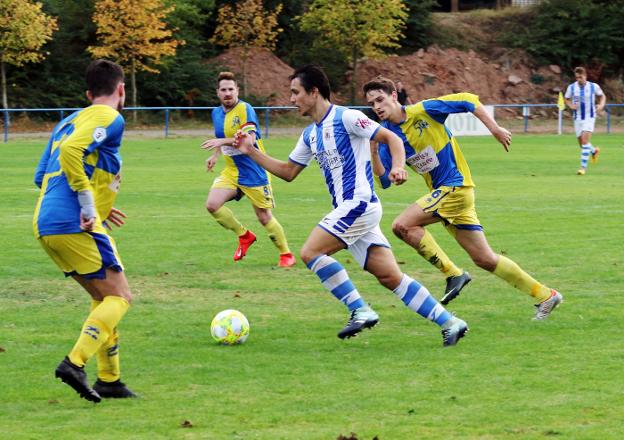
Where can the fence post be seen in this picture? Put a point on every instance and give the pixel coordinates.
(6, 126)
(62, 114)
(560, 128)
(266, 122)
(525, 113)
(608, 110)
(166, 123)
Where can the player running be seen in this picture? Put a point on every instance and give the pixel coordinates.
(241, 176)
(432, 151)
(79, 177)
(338, 140)
(581, 98)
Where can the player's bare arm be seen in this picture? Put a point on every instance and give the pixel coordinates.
(397, 174)
(378, 168)
(601, 104)
(501, 134)
(212, 160)
(570, 104)
(284, 170)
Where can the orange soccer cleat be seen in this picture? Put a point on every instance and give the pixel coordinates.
(287, 260)
(244, 242)
(594, 155)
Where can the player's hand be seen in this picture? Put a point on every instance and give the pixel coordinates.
(87, 224)
(211, 144)
(211, 162)
(243, 142)
(115, 217)
(398, 175)
(504, 137)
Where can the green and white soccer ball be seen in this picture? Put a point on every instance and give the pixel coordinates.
(229, 327)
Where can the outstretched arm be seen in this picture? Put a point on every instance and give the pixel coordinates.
(378, 167)
(601, 103)
(501, 134)
(284, 170)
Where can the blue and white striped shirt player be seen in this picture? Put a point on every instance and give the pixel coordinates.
(585, 98)
(340, 145)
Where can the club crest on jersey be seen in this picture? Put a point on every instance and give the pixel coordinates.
(363, 122)
(235, 121)
(420, 126)
(99, 134)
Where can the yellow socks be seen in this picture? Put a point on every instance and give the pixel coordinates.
(431, 251)
(98, 328)
(226, 218)
(514, 275)
(108, 368)
(277, 236)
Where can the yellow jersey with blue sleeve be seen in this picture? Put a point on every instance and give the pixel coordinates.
(430, 148)
(82, 154)
(238, 166)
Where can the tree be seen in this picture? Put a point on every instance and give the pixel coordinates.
(247, 25)
(24, 29)
(356, 28)
(134, 33)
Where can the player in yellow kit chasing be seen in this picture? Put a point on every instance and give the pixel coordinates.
(432, 151)
(241, 176)
(79, 176)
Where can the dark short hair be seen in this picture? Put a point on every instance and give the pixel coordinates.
(380, 83)
(103, 77)
(226, 76)
(312, 76)
(580, 71)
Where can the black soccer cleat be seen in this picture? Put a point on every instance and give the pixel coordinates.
(113, 390)
(76, 378)
(361, 318)
(454, 285)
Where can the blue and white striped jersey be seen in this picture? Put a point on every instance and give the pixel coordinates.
(585, 98)
(340, 144)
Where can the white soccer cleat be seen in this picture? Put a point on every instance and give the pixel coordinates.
(545, 308)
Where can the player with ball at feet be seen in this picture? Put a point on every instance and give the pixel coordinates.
(339, 140)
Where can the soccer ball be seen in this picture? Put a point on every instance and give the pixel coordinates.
(229, 327)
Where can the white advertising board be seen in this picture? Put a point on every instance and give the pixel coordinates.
(466, 124)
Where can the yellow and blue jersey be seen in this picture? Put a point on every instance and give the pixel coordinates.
(430, 148)
(82, 154)
(239, 166)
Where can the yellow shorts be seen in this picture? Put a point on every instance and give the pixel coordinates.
(455, 205)
(260, 196)
(87, 254)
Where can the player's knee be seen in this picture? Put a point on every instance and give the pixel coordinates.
(399, 229)
(264, 217)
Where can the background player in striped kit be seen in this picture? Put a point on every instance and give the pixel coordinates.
(581, 98)
(241, 176)
(339, 141)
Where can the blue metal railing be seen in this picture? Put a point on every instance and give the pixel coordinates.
(61, 111)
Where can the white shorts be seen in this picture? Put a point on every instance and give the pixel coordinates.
(356, 224)
(584, 125)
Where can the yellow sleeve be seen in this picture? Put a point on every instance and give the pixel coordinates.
(89, 132)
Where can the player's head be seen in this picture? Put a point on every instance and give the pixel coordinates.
(105, 79)
(381, 95)
(580, 74)
(227, 89)
(307, 85)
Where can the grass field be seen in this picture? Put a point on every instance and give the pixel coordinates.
(510, 378)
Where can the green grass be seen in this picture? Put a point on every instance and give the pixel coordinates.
(510, 378)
